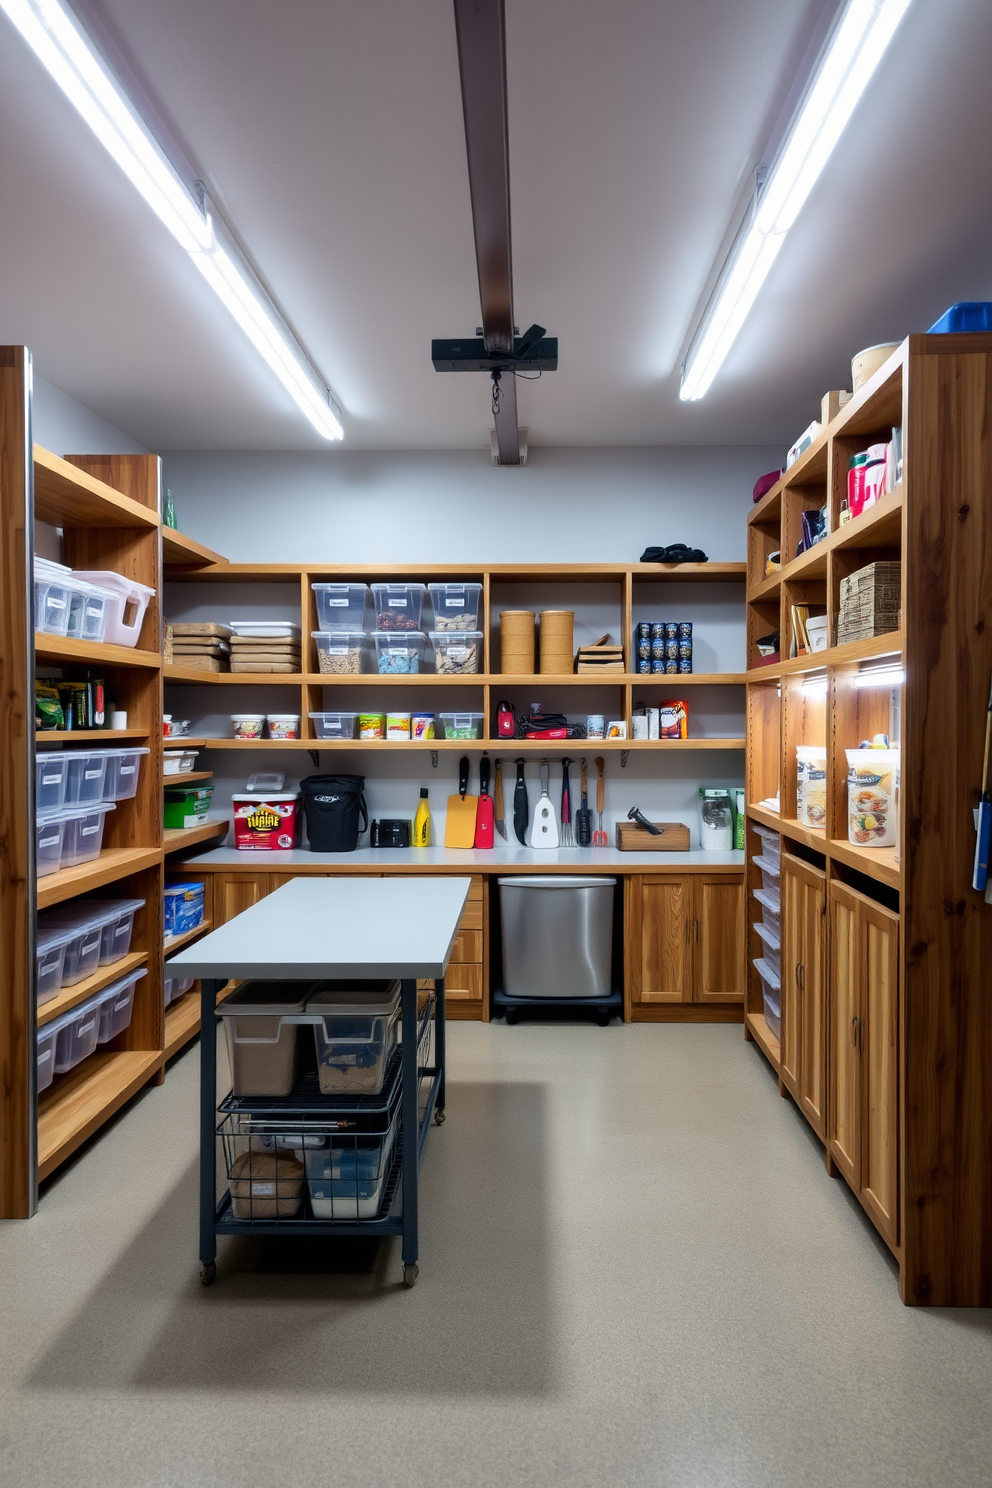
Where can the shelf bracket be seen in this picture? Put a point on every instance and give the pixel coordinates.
(434, 759)
(315, 757)
(624, 757)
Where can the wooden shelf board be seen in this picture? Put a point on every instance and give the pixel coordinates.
(113, 863)
(182, 1022)
(186, 777)
(766, 817)
(466, 746)
(177, 838)
(767, 589)
(66, 496)
(181, 741)
(175, 672)
(79, 1102)
(178, 941)
(834, 656)
(71, 997)
(879, 526)
(180, 551)
(875, 862)
(86, 736)
(765, 1039)
(815, 837)
(65, 648)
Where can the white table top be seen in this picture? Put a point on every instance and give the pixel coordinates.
(336, 927)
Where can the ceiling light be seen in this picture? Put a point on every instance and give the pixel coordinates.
(55, 37)
(861, 33)
(882, 676)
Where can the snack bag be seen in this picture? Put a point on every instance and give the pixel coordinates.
(871, 803)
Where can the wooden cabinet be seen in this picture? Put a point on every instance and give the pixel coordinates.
(804, 908)
(684, 939)
(863, 1121)
(236, 892)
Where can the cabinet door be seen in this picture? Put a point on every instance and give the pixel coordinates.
(718, 939)
(236, 892)
(844, 1121)
(666, 950)
(812, 984)
(792, 957)
(880, 1067)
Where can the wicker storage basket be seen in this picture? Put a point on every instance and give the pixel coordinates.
(557, 651)
(516, 641)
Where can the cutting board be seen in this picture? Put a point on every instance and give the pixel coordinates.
(459, 821)
(674, 838)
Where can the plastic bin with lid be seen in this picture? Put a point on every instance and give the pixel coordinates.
(52, 590)
(334, 725)
(187, 805)
(50, 945)
(49, 836)
(771, 995)
(261, 1026)
(117, 1006)
(348, 1177)
(50, 771)
(399, 654)
(127, 602)
(771, 842)
(174, 987)
(457, 652)
(342, 606)
(83, 924)
(461, 725)
(86, 772)
(344, 653)
(771, 872)
(184, 906)
(89, 607)
(772, 952)
(398, 606)
(178, 761)
(46, 1056)
(115, 936)
(771, 909)
(84, 827)
(270, 630)
(355, 1030)
(123, 771)
(456, 606)
(76, 1034)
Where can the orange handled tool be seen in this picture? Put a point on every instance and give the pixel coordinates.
(599, 836)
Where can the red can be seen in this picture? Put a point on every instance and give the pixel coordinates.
(267, 822)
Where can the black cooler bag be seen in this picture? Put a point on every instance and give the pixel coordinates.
(334, 806)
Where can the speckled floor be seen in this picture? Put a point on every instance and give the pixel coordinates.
(634, 1271)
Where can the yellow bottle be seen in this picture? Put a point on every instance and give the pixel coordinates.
(422, 821)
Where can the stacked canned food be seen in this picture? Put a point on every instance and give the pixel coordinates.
(663, 646)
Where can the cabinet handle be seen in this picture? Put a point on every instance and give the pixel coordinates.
(696, 923)
(854, 1031)
(861, 1035)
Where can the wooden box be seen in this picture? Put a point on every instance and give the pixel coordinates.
(632, 838)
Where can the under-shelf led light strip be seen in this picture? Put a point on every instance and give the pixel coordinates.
(56, 38)
(854, 49)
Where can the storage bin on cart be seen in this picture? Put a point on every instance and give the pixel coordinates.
(262, 1036)
(50, 945)
(123, 771)
(50, 770)
(184, 906)
(347, 1178)
(342, 606)
(117, 1006)
(355, 1028)
(771, 994)
(126, 606)
(46, 1056)
(772, 952)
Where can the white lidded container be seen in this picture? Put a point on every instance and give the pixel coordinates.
(178, 761)
(126, 606)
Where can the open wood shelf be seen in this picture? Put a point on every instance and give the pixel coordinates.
(66, 496)
(875, 862)
(184, 779)
(178, 941)
(78, 1103)
(65, 648)
(890, 644)
(182, 552)
(182, 1022)
(173, 672)
(86, 736)
(466, 746)
(815, 837)
(177, 838)
(879, 526)
(113, 863)
(72, 996)
(765, 1039)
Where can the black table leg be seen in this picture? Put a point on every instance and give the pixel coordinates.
(208, 1125)
(411, 1131)
(439, 1048)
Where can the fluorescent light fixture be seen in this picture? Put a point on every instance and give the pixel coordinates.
(58, 41)
(854, 49)
(815, 686)
(881, 676)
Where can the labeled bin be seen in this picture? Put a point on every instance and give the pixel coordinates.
(771, 995)
(50, 945)
(49, 834)
(187, 805)
(398, 606)
(117, 1005)
(123, 770)
(82, 951)
(456, 606)
(115, 937)
(46, 1056)
(52, 591)
(86, 772)
(76, 1035)
(262, 1036)
(347, 1178)
(399, 655)
(457, 652)
(356, 1026)
(342, 606)
(461, 725)
(50, 771)
(84, 827)
(342, 653)
(89, 607)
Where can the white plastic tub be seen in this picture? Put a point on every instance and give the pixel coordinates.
(123, 771)
(347, 1178)
(76, 1034)
(178, 761)
(50, 771)
(89, 608)
(46, 1056)
(283, 725)
(128, 600)
(83, 837)
(49, 836)
(49, 957)
(117, 1006)
(86, 772)
(334, 725)
(342, 606)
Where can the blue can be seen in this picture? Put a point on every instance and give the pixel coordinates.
(658, 664)
(685, 664)
(685, 630)
(658, 630)
(644, 663)
(685, 650)
(671, 668)
(671, 630)
(671, 650)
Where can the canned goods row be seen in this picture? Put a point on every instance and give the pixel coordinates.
(669, 666)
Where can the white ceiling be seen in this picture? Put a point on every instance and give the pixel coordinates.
(331, 132)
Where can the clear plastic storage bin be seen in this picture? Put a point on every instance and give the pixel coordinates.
(347, 1178)
(334, 725)
(126, 604)
(76, 1034)
(123, 770)
(355, 1029)
(770, 873)
(88, 610)
(456, 606)
(772, 952)
(84, 826)
(344, 653)
(771, 842)
(457, 652)
(115, 937)
(50, 772)
(50, 957)
(771, 993)
(461, 725)
(342, 606)
(399, 655)
(398, 606)
(85, 775)
(49, 835)
(262, 1038)
(82, 951)
(174, 987)
(117, 1005)
(52, 589)
(771, 909)
(46, 1056)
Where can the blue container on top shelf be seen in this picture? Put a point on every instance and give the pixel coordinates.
(969, 315)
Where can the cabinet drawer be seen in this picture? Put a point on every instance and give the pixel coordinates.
(468, 946)
(463, 983)
(471, 917)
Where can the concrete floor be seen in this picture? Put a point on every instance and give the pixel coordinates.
(634, 1271)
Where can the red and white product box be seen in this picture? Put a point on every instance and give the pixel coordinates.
(267, 822)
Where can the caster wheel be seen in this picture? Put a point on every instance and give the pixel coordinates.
(208, 1274)
(603, 1019)
(512, 1016)
(439, 1118)
(410, 1274)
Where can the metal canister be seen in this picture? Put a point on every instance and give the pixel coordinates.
(685, 630)
(672, 668)
(644, 663)
(685, 664)
(685, 650)
(671, 650)
(671, 630)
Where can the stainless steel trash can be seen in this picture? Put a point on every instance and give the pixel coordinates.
(557, 936)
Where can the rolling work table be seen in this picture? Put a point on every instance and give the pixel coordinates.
(315, 928)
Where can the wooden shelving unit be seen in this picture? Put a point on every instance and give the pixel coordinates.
(885, 1030)
(177, 839)
(112, 864)
(178, 941)
(71, 997)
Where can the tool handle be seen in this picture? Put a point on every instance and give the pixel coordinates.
(463, 776)
(584, 783)
(484, 775)
(498, 791)
(600, 784)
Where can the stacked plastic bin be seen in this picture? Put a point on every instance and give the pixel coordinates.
(769, 927)
(75, 791)
(73, 1037)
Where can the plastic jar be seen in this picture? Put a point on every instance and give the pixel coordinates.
(397, 725)
(284, 725)
(811, 785)
(871, 797)
(371, 725)
(422, 726)
(248, 725)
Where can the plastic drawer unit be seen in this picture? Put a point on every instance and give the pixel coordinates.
(347, 1178)
(771, 842)
(771, 910)
(771, 873)
(772, 952)
(355, 1026)
(262, 1036)
(771, 993)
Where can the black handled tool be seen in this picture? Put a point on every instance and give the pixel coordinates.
(521, 806)
(583, 817)
(636, 815)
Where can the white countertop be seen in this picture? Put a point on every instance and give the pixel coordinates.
(336, 927)
(505, 858)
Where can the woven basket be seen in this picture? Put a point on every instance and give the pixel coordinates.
(516, 641)
(557, 651)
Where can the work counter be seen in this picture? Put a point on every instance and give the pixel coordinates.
(504, 859)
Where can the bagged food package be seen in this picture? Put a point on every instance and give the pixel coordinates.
(811, 784)
(871, 797)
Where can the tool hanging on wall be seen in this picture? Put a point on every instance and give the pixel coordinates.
(521, 806)
(484, 816)
(599, 836)
(567, 840)
(980, 875)
(498, 818)
(583, 817)
(544, 827)
(459, 822)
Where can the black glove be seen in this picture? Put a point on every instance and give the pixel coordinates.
(674, 553)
